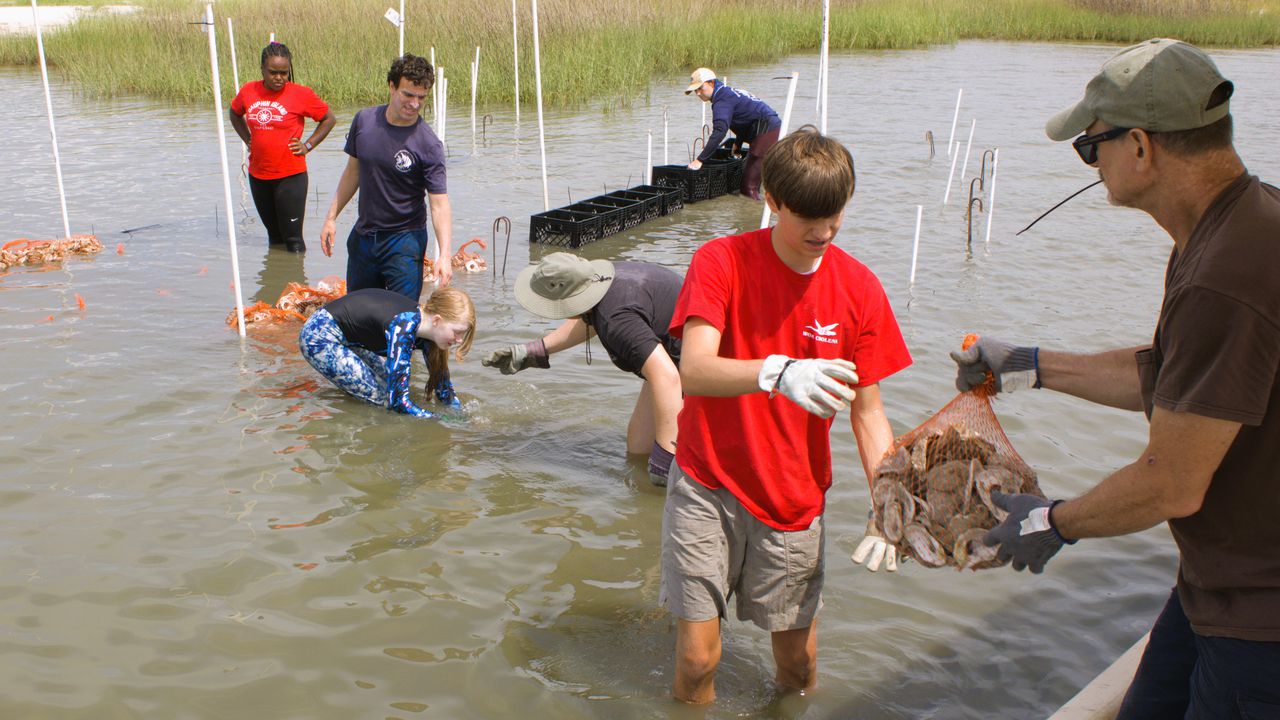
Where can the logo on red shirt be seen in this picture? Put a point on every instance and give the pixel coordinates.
(264, 112)
(822, 333)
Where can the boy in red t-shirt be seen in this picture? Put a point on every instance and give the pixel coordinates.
(780, 311)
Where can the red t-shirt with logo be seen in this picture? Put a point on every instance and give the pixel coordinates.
(274, 119)
(774, 456)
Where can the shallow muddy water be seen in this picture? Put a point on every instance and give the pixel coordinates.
(197, 528)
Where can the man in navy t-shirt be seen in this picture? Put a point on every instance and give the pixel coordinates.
(395, 158)
(750, 119)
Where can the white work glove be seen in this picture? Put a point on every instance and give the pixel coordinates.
(873, 549)
(816, 385)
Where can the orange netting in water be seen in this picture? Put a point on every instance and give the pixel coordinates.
(462, 260)
(931, 495)
(35, 252)
(295, 304)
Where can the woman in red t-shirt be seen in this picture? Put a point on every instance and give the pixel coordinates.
(269, 115)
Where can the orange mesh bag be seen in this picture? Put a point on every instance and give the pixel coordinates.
(931, 494)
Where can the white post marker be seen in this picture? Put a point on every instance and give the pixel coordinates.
(395, 19)
(666, 160)
(400, 27)
(444, 105)
(915, 246)
(222, 157)
(991, 201)
(648, 161)
(954, 118)
(951, 175)
(235, 78)
(782, 132)
(435, 92)
(968, 146)
(537, 81)
(53, 131)
(825, 62)
(475, 73)
(515, 53)
(272, 38)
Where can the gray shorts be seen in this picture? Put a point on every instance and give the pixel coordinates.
(713, 548)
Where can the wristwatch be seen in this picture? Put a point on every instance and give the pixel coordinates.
(307, 145)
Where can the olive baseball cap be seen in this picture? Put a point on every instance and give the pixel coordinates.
(1160, 85)
(563, 285)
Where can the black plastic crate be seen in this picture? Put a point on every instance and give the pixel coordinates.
(672, 198)
(718, 174)
(632, 209)
(694, 185)
(612, 218)
(649, 203)
(564, 228)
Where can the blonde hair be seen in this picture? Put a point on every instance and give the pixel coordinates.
(453, 306)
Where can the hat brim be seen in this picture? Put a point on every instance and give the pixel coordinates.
(1070, 123)
(566, 307)
(693, 86)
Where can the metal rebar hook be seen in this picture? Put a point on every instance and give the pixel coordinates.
(928, 135)
(969, 218)
(982, 172)
(502, 221)
(484, 126)
(706, 133)
(695, 152)
(971, 182)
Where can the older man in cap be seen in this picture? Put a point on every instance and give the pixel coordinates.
(628, 305)
(751, 120)
(1156, 124)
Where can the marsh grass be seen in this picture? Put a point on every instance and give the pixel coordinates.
(592, 50)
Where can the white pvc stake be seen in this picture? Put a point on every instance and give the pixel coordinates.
(537, 80)
(991, 201)
(53, 131)
(915, 246)
(954, 119)
(951, 174)
(235, 78)
(435, 92)
(965, 167)
(222, 157)
(475, 73)
(666, 160)
(400, 27)
(782, 132)
(704, 115)
(648, 161)
(444, 105)
(515, 53)
(825, 62)
(272, 39)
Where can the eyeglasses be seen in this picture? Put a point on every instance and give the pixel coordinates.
(1087, 145)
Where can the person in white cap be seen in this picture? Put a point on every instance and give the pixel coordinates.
(628, 306)
(750, 118)
(1156, 124)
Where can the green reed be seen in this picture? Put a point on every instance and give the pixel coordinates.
(592, 50)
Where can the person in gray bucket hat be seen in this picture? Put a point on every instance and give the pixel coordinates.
(1156, 124)
(628, 306)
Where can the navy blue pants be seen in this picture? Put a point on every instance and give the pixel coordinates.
(1185, 676)
(388, 260)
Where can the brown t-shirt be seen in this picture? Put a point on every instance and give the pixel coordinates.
(1216, 353)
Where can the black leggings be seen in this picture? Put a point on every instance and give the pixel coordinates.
(282, 203)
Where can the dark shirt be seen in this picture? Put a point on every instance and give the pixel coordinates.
(740, 111)
(633, 316)
(1216, 353)
(363, 316)
(397, 166)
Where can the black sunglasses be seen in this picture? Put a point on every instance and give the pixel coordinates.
(1087, 145)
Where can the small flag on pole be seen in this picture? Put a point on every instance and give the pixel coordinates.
(392, 17)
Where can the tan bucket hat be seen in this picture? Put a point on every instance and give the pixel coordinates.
(563, 285)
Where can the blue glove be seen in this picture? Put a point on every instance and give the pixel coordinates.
(659, 465)
(1027, 536)
(1013, 368)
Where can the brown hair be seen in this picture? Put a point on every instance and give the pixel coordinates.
(413, 68)
(452, 305)
(809, 173)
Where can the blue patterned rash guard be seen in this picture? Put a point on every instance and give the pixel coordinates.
(364, 343)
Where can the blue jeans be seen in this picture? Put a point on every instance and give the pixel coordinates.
(1185, 676)
(387, 260)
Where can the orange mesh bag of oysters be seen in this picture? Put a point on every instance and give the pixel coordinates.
(931, 494)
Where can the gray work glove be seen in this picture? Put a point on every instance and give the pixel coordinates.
(819, 386)
(659, 464)
(514, 358)
(1013, 368)
(1027, 536)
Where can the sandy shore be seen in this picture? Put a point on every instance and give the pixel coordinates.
(19, 20)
